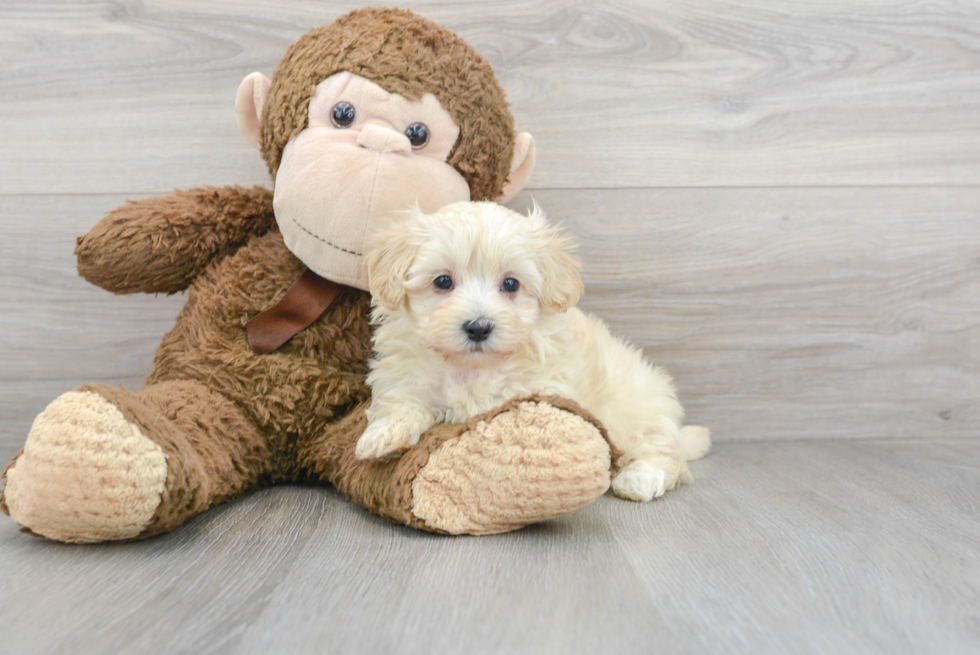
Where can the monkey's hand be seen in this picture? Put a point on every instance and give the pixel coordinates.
(159, 245)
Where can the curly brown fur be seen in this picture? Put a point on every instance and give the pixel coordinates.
(408, 55)
(292, 392)
(3, 478)
(384, 487)
(160, 245)
(213, 451)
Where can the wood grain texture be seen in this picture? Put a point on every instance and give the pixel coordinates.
(795, 313)
(129, 96)
(783, 313)
(59, 331)
(807, 547)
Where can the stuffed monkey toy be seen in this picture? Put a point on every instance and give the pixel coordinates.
(262, 378)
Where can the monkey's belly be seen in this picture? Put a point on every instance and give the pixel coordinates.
(311, 379)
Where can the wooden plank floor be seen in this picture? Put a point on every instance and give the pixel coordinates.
(777, 548)
(778, 201)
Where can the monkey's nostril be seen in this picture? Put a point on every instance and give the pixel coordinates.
(478, 330)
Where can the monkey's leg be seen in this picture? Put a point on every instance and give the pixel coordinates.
(103, 464)
(525, 462)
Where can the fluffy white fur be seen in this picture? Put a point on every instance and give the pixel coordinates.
(426, 370)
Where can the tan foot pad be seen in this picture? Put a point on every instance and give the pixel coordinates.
(526, 465)
(86, 474)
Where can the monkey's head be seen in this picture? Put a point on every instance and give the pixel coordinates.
(377, 112)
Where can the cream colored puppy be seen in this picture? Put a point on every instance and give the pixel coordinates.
(474, 305)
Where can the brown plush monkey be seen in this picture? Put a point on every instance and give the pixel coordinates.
(262, 379)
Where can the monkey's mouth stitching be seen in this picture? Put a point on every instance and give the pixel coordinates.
(319, 238)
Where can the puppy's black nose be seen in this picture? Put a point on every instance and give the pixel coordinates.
(478, 330)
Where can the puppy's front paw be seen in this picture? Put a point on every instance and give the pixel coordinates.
(640, 482)
(385, 437)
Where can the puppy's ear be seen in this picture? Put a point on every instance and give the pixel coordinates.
(390, 255)
(561, 278)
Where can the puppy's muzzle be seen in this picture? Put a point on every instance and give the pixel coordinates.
(478, 330)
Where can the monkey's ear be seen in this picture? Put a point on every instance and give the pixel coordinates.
(520, 168)
(252, 93)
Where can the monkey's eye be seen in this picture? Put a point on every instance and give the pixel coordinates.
(443, 283)
(343, 114)
(510, 285)
(418, 134)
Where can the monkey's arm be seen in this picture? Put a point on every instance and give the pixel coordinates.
(159, 245)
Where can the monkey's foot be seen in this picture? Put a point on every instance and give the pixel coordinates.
(85, 474)
(534, 460)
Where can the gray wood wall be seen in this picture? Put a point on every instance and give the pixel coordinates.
(779, 200)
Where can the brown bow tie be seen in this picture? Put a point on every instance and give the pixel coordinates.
(303, 303)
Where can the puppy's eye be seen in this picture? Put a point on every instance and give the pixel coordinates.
(510, 285)
(443, 283)
(342, 115)
(418, 135)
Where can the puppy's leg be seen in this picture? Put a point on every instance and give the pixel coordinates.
(394, 428)
(639, 407)
(653, 461)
